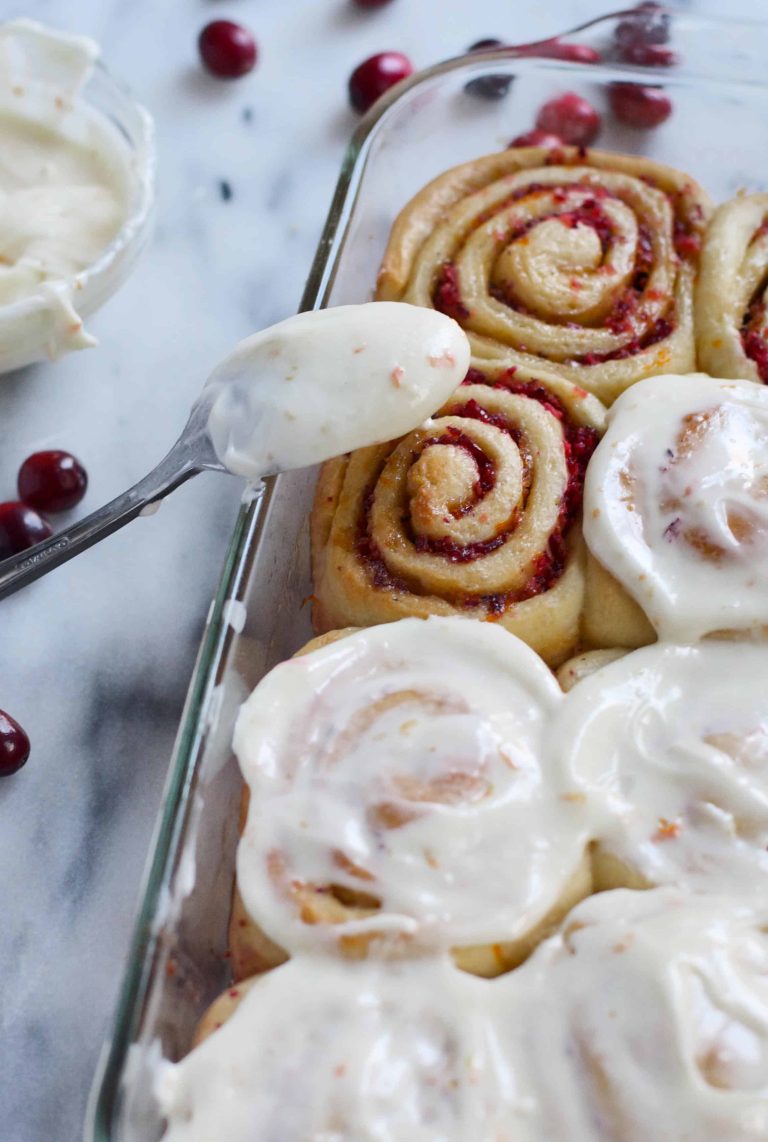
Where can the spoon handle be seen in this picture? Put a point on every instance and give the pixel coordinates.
(177, 467)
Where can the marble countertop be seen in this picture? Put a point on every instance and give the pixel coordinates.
(96, 657)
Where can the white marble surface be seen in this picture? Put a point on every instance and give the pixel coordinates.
(96, 658)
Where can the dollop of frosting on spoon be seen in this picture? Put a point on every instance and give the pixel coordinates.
(327, 382)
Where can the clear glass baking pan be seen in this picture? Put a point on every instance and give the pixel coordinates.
(719, 134)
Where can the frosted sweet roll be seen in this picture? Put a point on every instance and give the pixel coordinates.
(676, 504)
(401, 797)
(645, 1017)
(675, 739)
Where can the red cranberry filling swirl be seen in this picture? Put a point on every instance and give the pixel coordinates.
(577, 263)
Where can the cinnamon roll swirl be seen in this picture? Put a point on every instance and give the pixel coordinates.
(646, 1017)
(676, 504)
(476, 513)
(580, 263)
(732, 291)
(674, 741)
(400, 799)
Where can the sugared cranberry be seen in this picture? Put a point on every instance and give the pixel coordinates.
(14, 745)
(535, 138)
(639, 106)
(52, 481)
(20, 527)
(488, 86)
(571, 117)
(228, 50)
(556, 49)
(648, 24)
(375, 75)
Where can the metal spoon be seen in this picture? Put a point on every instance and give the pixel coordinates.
(314, 386)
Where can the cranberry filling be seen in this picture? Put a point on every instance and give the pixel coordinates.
(752, 339)
(447, 296)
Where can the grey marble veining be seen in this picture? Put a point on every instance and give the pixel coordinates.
(95, 659)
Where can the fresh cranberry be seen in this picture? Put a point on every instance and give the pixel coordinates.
(648, 24)
(536, 138)
(555, 49)
(20, 527)
(574, 119)
(52, 481)
(14, 745)
(639, 106)
(488, 86)
(649, 55)
(375, 75)
(228, 50)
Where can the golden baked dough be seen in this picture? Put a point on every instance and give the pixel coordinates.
(475, 514)
(730, 310)
(580, 263)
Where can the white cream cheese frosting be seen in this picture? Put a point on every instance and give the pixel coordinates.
(646, 1017)
(408, 762)
(323, 383)
(327, 1050)
(67, 186)
(674, 740)
(676, 503)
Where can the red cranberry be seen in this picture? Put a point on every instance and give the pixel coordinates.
(555, 49)
(228, 50)
(14, 745)
(20, 527)
(572, 118)
(52, 481)
(639, 106)
(375, 75)
(535, 138)
(488, 86)
(649, 55)
(648, 24)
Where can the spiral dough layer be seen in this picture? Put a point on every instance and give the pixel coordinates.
(475, 514)
(579, 263)
(732, 291)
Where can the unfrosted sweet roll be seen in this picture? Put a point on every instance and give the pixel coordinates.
(676, 504)
(354, 1052)
(577, 262)
(402, 797)
(645, 1018)
(675, 740)
(730, 310)
(476, 513)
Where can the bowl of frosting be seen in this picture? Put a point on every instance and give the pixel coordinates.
(76, 190)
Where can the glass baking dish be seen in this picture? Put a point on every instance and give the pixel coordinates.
(718, 133)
